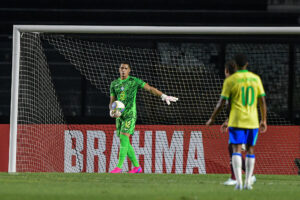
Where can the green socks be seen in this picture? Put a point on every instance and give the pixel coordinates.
(126, 149)
(132, 156)
(124, 143)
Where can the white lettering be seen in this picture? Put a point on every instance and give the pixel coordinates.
(73, 152)
(92, 152)
(196, 145)
(162, 149)
(167, 154)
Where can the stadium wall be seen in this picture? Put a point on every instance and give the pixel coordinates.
(174, 149)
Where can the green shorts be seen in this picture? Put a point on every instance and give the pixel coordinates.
(126, 125)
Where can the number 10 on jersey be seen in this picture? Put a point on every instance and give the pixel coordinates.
(246, 93)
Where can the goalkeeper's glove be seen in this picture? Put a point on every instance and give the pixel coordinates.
(168, 99)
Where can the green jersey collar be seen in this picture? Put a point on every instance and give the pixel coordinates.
(124, 79)
(242, 70)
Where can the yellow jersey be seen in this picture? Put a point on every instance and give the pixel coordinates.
(243, 88)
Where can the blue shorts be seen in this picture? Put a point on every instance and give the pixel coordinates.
(243, 136)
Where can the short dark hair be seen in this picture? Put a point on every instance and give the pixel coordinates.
(241, 60)
(230, 66)
(126, 62)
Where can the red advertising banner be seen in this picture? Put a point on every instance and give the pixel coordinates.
(4, 147)
(159, 149)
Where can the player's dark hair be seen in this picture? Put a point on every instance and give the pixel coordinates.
(241, 60)
(230, 66)
(126, 62)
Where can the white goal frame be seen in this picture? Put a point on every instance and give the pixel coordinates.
(168, 30)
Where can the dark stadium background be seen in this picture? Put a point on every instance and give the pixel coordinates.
(143, 12)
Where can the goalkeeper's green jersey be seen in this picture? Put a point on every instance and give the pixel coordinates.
(125, 91)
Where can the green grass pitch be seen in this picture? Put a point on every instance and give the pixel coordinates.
(82, 186)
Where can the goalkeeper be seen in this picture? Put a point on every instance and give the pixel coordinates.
(125, 89)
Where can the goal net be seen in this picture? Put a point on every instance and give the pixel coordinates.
(61, 93)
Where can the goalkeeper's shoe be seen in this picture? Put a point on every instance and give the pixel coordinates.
(116, 170)
(230, 181)
(136, 170)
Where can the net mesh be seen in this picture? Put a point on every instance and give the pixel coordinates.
(168, 139)
(38, 108)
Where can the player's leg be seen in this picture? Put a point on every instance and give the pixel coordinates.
(253, 178)
(250, 157)
(129, 126)
(243, 160)
(124, 143)
(131, 154)
(237, 165)
(250, 162)
(119, 122)
(237, 138)
(231, 180)
(230, 149)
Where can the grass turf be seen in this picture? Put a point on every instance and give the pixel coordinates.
(142, 187)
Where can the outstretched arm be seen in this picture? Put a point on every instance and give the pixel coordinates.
(158, 93)
(218, 108)
(263, 112)
(152, 90)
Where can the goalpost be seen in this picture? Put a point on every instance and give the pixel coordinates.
(170, 139)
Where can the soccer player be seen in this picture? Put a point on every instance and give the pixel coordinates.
(244, 89)
(230, 68)
(125, 89)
